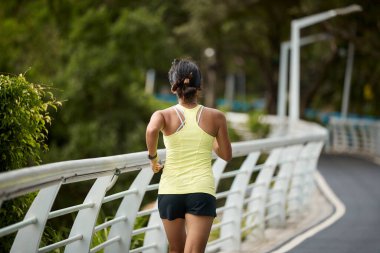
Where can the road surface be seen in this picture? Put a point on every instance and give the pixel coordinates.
(356, 182)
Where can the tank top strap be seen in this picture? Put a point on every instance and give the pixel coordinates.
(199, 115)
(181, 117)
(190, 115)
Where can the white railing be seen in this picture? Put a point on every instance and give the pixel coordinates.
(267, 182)
(355, 136)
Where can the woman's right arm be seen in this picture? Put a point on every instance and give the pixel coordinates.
(156, 123)
(222, 144)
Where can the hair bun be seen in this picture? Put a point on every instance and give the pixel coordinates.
(174, 87)
(185, 79)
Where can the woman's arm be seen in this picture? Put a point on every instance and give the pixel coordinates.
(155, 124)
(222, 144)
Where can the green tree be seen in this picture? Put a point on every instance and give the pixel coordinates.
(106, 110)
(29, 40)
(24, 114)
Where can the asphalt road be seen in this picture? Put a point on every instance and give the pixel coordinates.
(356, 182)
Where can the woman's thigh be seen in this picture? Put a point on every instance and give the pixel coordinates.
(176, 234)
(198, 231)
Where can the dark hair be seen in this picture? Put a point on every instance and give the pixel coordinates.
(185, 79)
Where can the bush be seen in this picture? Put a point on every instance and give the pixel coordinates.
(256, 126)
(24, 114)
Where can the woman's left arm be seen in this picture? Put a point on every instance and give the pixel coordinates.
(155, 124)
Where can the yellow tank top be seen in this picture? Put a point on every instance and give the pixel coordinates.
(188, 158)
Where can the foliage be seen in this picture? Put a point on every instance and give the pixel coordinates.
(111, 61)
(259, 129)
(136, 241)
(29, 40)
(14, 210)
(234, 136)
(24, 113)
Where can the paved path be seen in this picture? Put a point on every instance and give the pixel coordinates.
(357, 183)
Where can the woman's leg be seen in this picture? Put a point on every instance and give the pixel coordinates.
(198, 231)
(176, 234)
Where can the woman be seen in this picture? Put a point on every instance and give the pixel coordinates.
(186, 195)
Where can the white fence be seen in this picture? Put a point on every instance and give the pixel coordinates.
(357, 136)
(267, 182)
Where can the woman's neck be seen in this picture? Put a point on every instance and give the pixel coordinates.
(190, 104)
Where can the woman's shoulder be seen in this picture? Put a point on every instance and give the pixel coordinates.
(213, 110)
(167, 112)
(215, 113)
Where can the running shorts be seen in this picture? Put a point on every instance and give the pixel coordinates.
(174, 206)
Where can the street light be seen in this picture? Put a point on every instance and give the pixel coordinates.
(211, 76)
(296, 26)
(283, 71)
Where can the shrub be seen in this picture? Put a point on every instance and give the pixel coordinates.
(257, 127)
(24, 114)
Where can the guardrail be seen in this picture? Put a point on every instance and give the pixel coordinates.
(355, 136)
(267, 182)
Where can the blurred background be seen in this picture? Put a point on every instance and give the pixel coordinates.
(107, 61)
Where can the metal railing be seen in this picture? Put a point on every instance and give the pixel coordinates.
(354, 136)
(273, 183)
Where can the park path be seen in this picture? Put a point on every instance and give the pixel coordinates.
(356, 182)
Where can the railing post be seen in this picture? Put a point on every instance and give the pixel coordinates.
(86, 219)
(281, 185)
(28, 238)
(373, 138)
(377, 139)
(260, 193)
(313, 149)
(302, 173)
(236, 200)
(128, 208)
(364, 128)
(156, 236)
(353, 140)
(218, 167)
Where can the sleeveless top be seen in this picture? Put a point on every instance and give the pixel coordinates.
(188, 157)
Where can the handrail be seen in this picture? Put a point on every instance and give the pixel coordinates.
(34, 178)
(358, 136)
(266, 201)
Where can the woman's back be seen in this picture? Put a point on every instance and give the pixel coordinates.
(188, 154)
(209, 120)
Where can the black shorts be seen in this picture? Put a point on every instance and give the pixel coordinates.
(173, 206)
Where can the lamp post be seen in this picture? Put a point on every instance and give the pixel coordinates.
(283, 71)
(296, 27)
(347, 80)
(211, 77)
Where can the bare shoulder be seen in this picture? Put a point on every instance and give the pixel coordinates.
(167, 111)
(157, 113)
(215, 113)
(165, 114)
(157, 116)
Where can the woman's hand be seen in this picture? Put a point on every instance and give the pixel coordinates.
(156, 165)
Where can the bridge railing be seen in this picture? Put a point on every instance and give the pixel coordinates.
(355, 136)
(267, 182)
